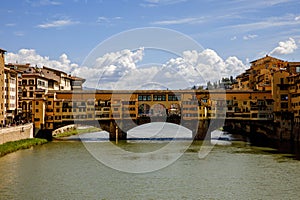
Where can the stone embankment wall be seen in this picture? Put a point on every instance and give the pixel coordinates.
(64, 129)
(16, 133)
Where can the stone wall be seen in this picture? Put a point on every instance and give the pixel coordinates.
(16, 133)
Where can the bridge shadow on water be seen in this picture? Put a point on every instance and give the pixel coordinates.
(155, 131)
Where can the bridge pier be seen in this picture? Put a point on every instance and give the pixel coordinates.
(116, 132)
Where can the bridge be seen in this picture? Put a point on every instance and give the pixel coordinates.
(201, 111)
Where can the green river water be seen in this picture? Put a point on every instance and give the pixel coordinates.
(67, 170)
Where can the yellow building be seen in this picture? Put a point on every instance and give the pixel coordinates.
(259, 75)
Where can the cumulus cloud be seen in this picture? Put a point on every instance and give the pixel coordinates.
(211, 66)
(123, 69)
(110, 68)
(30, 56)
(285, 47)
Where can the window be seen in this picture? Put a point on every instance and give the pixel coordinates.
(173, 98)
(144, 98)
(159, 97)
(284, 105)
(30, 94)
(284, 97)
(36, 103)
(31, 82)
(57, 110)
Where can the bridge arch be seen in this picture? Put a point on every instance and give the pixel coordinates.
(159, 131)
(174, 109)
(144, 109)
(158, 110)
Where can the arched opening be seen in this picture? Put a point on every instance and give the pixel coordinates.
(144, 110)
(158, 110)
(159, 131)
(174, 110)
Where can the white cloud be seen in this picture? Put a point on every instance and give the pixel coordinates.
(285, 47)
(57, 23)
(121, 69)
(192, 20)
(233, 38)
(154, 3)
(43, 3)
(110, 68)
(10, 24)
(19, 33)
(30, 56)
(106, 20)
(271, 22)
(249, 37)
(297, 18)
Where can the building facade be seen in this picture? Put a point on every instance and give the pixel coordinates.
(268, 91)
(2, 87)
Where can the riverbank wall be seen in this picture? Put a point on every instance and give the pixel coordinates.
(16, 133)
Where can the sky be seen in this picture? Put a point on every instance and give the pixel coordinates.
(124, 43)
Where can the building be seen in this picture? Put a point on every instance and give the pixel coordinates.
(268, 91)
(259, 75)
(11, 94)
(2, 87)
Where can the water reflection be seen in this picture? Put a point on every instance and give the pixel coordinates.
(65, 170)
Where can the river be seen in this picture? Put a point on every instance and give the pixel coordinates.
(69, 170)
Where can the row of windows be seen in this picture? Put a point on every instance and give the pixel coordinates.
(130, 109)
(296, 104)
(128, 102)
(128, 115)
(31, 94)
(30, 82)
(192, 108)
(158, 98)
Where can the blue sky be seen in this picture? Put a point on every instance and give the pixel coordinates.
(244, 29)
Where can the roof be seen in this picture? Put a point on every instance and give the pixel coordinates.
(294, 63)
(21, 67)
(54, 70)
(267, 56)
(49, 74)
(34, 75)
(2, 50)
(75, 78)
